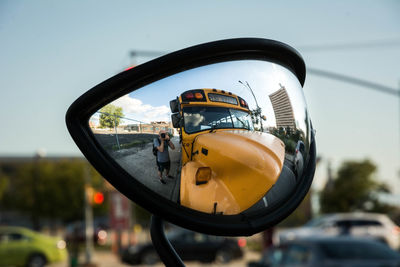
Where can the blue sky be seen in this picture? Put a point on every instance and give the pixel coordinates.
(151, 103)
(52, 52)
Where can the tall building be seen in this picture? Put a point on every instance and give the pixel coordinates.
(283, 110)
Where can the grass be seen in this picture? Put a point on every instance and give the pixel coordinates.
(134, 143)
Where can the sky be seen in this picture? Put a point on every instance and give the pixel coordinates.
(51, 52)
(151, 102)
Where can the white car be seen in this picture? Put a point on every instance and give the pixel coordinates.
(370, 225)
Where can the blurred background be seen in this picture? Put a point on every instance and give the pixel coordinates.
(52, 52)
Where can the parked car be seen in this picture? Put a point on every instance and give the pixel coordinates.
(329, 252)
(369, 225)
(190, 246)
(76, 232)
(23, 247)
(298, 159)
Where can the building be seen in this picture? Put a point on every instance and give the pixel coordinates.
(283, 110)
(153, 127)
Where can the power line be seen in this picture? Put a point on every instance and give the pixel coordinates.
(356, 81)
(146, 53)
(327, 74)
(351, 46)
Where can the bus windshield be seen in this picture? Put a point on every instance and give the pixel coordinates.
(205, 118)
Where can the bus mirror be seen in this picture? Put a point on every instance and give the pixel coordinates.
(176, 120)
(174, 106)
(208, 160)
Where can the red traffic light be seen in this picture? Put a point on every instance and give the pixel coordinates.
(98, 198)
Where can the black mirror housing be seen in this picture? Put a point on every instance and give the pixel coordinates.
(174, 106)
(176, 120)
(247, 221)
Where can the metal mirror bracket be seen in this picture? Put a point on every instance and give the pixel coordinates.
(161, 244)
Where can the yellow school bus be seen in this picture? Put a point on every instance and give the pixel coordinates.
(227, 166)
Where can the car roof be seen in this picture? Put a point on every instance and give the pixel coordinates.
(8, 229)
(355, 216)
(327, 239)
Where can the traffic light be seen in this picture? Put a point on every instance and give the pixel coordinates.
(98, 198)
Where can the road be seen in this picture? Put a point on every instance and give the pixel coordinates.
(141, 164)
(106, 259)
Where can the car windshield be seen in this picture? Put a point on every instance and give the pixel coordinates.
(205, 118)
(315, 222)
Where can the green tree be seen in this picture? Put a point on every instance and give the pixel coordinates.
(354, 189)
(3, 184)
(300, 215)
(51, 190)
(256, 115)
(110, 116)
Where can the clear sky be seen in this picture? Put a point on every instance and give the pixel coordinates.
(51, 52)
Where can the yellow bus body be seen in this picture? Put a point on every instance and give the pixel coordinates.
(244, 166)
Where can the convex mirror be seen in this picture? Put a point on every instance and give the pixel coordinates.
(216, 138)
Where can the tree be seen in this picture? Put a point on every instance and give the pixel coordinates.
(110, 116)
(300, 215)
(51, 190)
(354, 189)
(3, 184)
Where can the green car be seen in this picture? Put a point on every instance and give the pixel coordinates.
(23, 247)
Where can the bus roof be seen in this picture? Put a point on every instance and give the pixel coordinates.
(213, 97)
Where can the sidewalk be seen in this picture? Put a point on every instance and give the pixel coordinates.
(107, 259)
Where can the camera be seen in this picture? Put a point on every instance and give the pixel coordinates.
(163, 135)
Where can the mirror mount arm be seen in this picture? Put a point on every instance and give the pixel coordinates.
(161, 244)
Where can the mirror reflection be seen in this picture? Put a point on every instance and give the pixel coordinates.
(224, 138)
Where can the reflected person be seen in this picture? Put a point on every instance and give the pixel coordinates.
(163, 162)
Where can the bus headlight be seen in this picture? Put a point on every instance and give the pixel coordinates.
(203, 175)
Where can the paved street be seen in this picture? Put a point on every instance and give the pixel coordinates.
(107, 259)
(142, 165)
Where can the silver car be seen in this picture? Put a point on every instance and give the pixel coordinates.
(367, 225)
(329, 252)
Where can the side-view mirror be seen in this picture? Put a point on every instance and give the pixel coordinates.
(176, 119)
(173, 104)
(201, 163)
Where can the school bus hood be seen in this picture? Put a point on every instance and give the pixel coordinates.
(244, 167)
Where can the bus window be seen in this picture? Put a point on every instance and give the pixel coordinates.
(203, 118)
(241, 119)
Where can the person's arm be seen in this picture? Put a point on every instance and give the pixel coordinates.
(161, 146)
(170, 144)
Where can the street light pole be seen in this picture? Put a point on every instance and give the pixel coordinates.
(255, 99)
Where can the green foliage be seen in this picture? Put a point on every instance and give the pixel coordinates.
(290, 137)
(51, 189)
(134, 143)
(141, 215)
(299, 216)
(254, 245)
(354, 189)
(3, 184)
(110, 116)
(255, 115)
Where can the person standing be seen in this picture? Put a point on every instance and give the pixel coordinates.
(162, 143)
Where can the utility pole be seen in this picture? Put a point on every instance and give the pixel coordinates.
(88, 215)
(255, 99)
(116, 132)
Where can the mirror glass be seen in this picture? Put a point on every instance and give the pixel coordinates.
(223, 139)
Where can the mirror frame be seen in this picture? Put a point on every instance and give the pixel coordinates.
(85, 106)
